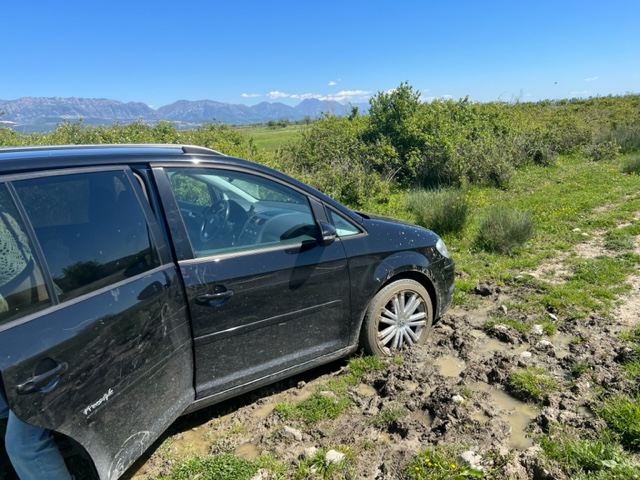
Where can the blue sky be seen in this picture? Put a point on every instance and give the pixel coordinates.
(246, 52)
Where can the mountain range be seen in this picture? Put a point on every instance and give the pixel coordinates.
(29, 114)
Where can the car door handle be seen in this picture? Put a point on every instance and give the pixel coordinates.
(214, 299)
(43, 382)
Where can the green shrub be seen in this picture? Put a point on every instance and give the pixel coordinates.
(626, 136)
(504, 229)
(603, 151)
(443, 211)
(631, 165)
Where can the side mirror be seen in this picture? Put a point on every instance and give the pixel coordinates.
(328, 233)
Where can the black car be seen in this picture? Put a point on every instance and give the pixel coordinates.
(153, 280)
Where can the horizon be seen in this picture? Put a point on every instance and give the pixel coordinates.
(248, 53)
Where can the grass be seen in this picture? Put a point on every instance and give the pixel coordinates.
(271, 139)
(589, 458)
(532, 384)
(444, 210)
(440, 463)
(504, 229)
(330, 399)
(622, 414)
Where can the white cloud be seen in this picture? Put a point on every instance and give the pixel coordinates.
(332, 83)
(342, 96)
(581, 94)
(251, 95)
(590, 79)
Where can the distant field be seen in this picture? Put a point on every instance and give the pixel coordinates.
(271, 138)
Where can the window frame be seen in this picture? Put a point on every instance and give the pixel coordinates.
(181, 242)
(156, 238)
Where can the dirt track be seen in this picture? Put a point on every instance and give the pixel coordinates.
(454, 391)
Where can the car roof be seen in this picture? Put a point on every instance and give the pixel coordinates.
(49, 157)
(35, 158)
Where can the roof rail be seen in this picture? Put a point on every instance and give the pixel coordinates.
(192, 149)
(199, 149)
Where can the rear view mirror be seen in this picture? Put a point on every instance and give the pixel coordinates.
(328, 233)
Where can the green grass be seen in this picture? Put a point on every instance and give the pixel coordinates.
(385, 417)
(440, 463)
(331, 399)
(532, 384)
(444, 210)
(271, 139)
(589, 458)
(622, 414)
(223, 467)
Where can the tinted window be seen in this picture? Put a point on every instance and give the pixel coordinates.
(91, 227)
(344, 227)
(22, 287)
(227, 211)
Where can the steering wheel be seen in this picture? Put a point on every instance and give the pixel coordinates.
(214, 218)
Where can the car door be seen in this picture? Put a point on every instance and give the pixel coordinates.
(95, 340)
(265, 295)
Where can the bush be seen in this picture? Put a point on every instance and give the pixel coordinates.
(504, 229)
(443, 211)
(603, 151)
(631, 165)
(627, 137)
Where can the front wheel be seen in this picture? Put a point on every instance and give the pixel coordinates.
(400, 315)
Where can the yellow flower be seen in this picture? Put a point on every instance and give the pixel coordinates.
(453, 467)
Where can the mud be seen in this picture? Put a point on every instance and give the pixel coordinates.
(454, 391)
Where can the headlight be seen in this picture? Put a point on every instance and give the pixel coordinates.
(442, 248)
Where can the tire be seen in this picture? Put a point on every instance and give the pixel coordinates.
(384, 331)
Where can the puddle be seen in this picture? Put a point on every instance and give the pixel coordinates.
(194, 441)
(488, 344)
(410, 386)
(518, 417)
(248, 451)
(450, 366)
(422, 416)
(561, 342)
(263, 411)
(366, 390)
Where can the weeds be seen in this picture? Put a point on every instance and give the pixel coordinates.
(504, 229)
(440, 464)
(444, 211)
(631, 165)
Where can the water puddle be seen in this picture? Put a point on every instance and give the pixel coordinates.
(422, 416)
(366, 390)
(248, 451)
(489, 345)
(561, 342)
(518, 415)
(195, 441)
(263, 411)
(450, 366)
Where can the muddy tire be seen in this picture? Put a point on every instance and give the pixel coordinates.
(399, 316)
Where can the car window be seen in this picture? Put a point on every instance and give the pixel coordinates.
(226, 211)
(91, 228)
(344, 227)
(22, 288)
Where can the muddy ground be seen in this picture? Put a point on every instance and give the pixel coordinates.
(454, 391)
